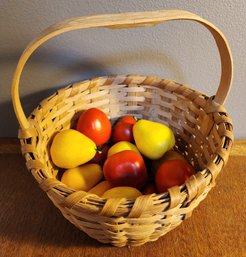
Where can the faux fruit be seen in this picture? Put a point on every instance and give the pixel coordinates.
(70, 149)
(172, 173)
(122, 192)
(169, 155)
(150, 188)
(95, 124)
(122, 130)
(153, 139)
(88, 158)
(122, 146)
(101, 154)
(100, 188)
(126, 168)
(83, 177)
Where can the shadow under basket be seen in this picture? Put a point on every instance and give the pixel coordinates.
(201, 126)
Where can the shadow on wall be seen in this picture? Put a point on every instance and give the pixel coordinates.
(63, 69)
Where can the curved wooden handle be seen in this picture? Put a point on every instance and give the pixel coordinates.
(125, 20)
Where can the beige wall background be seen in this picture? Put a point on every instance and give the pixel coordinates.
(182, 51)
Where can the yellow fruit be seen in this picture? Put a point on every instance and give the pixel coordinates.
(153, 139)
(169, 155)
(100, 188)
(122, 192)
(71, 148)
(83, 177)
(122, 146)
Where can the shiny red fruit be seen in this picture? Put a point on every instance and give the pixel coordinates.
(126, 168)
(172, 173)
(95, 124)
(149, 189)
(122, 130)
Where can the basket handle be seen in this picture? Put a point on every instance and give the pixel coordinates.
(118, 21)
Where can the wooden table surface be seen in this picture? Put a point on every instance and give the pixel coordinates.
(30, 225)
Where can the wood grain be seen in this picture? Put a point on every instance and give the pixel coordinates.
(10, 146)
(31, 226)
(239, 148)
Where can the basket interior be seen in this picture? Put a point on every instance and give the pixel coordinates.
(165, 101)
(197, 135)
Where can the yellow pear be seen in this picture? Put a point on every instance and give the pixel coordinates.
(83, 177)
(70, 148)
(122, 146)
(153, 139)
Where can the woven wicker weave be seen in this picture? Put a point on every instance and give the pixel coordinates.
(201, 125)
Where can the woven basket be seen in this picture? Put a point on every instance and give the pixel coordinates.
(201, 125)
